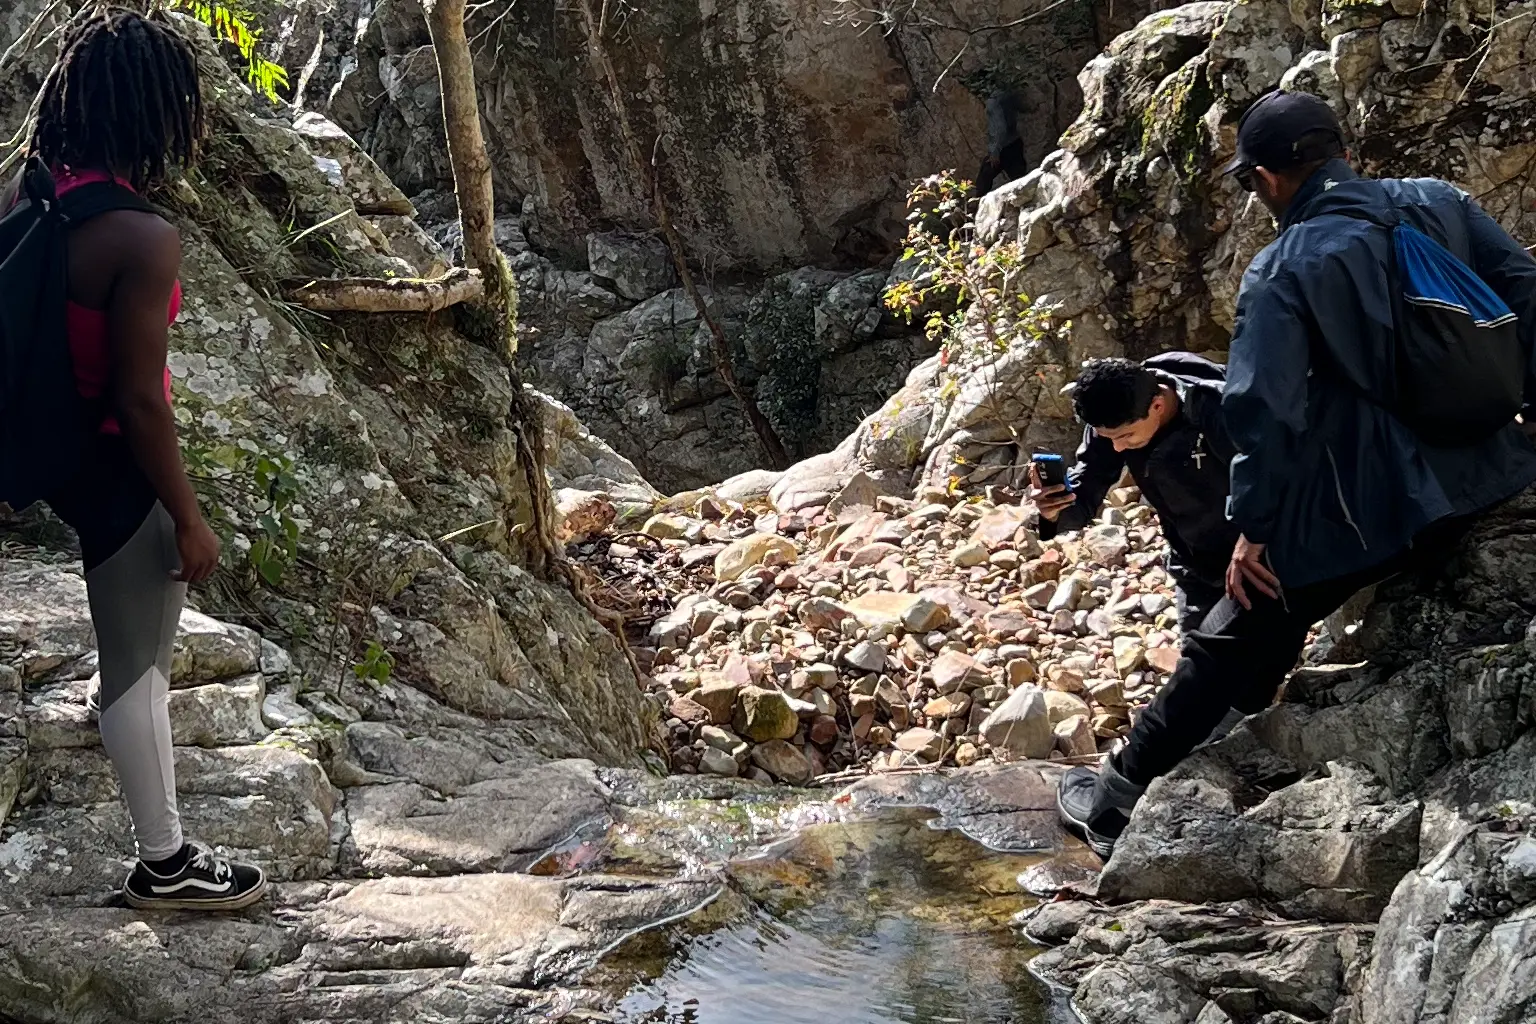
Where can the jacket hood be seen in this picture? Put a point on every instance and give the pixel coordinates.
(1186, 370)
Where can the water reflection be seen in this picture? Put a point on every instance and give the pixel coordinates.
(878, 922)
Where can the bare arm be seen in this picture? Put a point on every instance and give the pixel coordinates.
(139, 336)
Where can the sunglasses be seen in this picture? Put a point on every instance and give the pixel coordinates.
(1244, 177)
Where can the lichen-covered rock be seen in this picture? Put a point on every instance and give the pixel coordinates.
(371, 192)
(218, 714)
(414, 438)
(763, 715)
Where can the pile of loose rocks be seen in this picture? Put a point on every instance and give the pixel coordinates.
(872, 637)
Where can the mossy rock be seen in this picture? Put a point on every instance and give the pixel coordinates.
(1173, 124)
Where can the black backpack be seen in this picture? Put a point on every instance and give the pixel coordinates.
(1460, 366)
(46, 427)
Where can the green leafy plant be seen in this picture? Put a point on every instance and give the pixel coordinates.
(970, 298)
(377, 664)
(957, 283)
(232, 24)
(278, 545)
(231, 474)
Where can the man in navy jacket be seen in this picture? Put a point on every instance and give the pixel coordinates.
(1330, 491)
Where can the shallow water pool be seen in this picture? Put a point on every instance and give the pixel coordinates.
(885, 921)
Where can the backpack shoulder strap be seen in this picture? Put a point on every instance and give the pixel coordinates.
(79, 205)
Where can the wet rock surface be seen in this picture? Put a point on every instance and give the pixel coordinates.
(560, 904)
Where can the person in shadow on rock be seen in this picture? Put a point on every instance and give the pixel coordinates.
(120, 109)
(1005, 146)
(1381, 355)
(1160, 419)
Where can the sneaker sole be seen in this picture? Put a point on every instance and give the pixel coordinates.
(240, 902)
(1097, 843)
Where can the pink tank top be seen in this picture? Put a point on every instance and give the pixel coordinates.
(87, 328)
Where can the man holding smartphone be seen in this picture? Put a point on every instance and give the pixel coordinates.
(1339, 481)
(1160, 419)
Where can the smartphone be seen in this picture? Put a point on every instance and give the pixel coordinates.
(1052, 469)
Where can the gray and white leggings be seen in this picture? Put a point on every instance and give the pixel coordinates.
(135, 606)
(128, 545)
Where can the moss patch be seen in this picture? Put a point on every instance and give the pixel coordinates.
(781, 326)
(1172, 121)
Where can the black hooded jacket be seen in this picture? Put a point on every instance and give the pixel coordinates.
(1182, 472)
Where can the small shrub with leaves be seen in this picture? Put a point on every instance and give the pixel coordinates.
(962, 289)
(376, 666)
(230, 474)
(970, 299)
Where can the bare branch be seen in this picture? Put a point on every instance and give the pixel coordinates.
(28, 40)
(382, 295)
(950, 67)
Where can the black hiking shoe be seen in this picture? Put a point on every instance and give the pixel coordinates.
(1097, 805)
(206, 882)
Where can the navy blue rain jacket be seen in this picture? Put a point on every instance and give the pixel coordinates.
(1325, 475)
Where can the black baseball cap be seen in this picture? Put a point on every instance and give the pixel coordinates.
(1272, 131)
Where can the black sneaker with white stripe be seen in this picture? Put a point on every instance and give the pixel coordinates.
(206, 882)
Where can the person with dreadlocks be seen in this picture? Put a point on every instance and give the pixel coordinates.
(123, 104)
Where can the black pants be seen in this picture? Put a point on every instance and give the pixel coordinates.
(1011, 162)
(1195, 599)
(1237, 658)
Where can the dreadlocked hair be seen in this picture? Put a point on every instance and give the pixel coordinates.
(123, 97)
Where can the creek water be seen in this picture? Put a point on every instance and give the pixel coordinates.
(879, 921)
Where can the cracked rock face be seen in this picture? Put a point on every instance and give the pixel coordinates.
(789, 134)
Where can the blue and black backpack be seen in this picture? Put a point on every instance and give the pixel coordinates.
(1460, 366)
(46, 427)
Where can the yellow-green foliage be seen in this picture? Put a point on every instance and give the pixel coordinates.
(960, 287)
(1172, 120)
(232, 24)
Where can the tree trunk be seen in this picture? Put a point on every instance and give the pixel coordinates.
(529, 514)
(466, 142)
(650, 179)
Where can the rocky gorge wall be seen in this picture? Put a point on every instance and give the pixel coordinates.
(789, 129)
(788, 135)
(362, 470)
(1134, 245)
